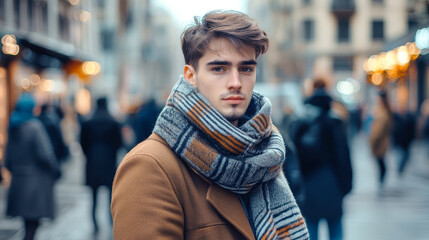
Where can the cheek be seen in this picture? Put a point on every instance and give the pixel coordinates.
(248, 87)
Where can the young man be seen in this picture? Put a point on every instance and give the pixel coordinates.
(212, 167)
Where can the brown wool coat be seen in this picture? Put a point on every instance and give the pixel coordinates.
(379, 135)
(156, 196)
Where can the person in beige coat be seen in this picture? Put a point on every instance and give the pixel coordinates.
(380, 133)
(212, 168)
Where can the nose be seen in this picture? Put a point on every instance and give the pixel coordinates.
(234, 81)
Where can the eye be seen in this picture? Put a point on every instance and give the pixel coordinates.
(218, 69)
(247, 69)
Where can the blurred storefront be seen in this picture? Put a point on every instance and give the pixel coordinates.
(403, 69)
(43, 51)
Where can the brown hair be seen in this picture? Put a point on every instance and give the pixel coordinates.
(319, 83)
(235, 26)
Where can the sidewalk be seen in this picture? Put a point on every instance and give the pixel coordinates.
(73, 219)
(401, 212)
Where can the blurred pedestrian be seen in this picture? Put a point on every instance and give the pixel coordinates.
(52, 123)
(144, 120)
(101, 140)
(291, 166)
(321, 143)
(292, 171)
(379, 136)
(31, 160)
(212, 168)
(403, 133)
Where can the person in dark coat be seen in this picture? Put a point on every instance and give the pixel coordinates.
(292, 171)
(51, 122)
(145, 119)
(31, 160)
(291, 166)
(403, 133)
(100, 139)
(323, 152)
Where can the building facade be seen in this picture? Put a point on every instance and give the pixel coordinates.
(328, 38)
(44, 44)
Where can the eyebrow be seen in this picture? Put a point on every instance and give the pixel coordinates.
(218, 62)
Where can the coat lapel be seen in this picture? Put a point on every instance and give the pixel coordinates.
(229, 206)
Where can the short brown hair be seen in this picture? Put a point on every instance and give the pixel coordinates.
(319, 83)
(235, 26)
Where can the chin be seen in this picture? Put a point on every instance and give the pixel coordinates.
(233, 116)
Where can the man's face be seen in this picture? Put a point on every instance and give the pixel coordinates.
(225, 77)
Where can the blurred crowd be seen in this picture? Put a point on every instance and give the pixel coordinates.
(318, 162)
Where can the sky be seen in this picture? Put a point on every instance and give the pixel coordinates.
(184, 10)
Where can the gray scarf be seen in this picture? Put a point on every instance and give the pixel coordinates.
(245, 159)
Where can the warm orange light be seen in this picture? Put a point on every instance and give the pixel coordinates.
(91, 68)
(8, 39)
(47, 85)
(9, 45)
(377, 79)
(74, 2)
(84, 16)
(413, 50)
(390, 60)
(372, 63)
(83, 101)
(25, 83)
(403, 56)
(35, 79)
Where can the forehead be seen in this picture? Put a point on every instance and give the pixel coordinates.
(224, 49)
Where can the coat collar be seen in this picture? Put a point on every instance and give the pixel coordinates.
(226, 203)
(229, 206)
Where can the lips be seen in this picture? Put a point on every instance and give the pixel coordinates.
(234, 99)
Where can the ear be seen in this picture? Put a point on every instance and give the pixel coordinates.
(190, 75)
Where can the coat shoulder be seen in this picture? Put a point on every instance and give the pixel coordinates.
(155, 149)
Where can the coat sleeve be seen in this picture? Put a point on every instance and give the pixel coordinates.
(343, 165)
(144, 201)
(44, 149)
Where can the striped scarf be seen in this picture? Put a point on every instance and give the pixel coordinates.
(245, 159)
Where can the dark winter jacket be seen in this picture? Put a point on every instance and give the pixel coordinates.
(31, 160)
(404, 129)
(51, 122)
(145, 120)
(100, 140)
(327, 174)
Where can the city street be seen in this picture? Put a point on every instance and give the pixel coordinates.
(400, 211)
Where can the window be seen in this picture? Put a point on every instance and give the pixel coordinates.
(44, 12)
(412, 24)
(377, 30)
(377, 1)
(108, 39)
(16, 13)
(2, 11)
(306, 2)
(308, 30)
(63, 21)
(343, 29)
(343, 63)
(30, 15)
(101, 3)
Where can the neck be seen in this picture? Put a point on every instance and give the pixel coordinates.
(235, 123)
